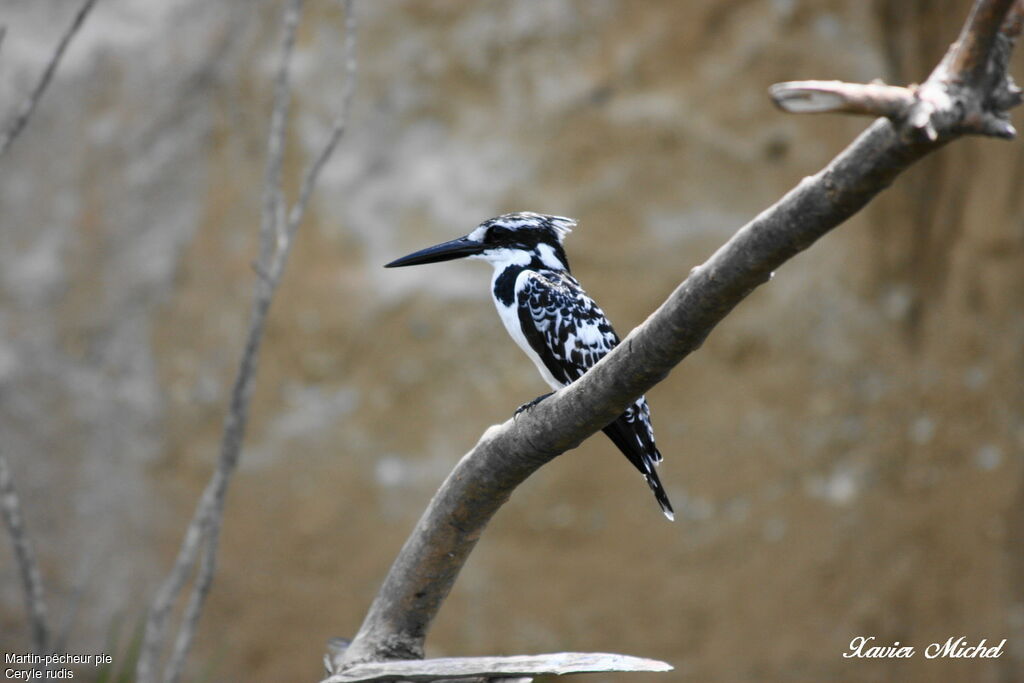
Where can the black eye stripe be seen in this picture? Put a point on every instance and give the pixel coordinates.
(496, 233)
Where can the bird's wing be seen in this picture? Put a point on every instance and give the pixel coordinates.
(570, 333)
(563, 325)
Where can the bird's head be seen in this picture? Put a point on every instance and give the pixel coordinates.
(527, 239)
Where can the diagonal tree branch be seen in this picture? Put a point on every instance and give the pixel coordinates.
(277, 232)
(24, 112)
(427, 565)
(25, 558)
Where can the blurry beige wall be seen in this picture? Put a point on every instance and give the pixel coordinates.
(845, 452)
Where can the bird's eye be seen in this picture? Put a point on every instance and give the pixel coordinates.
(496, 234)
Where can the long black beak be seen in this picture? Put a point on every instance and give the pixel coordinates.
(446, 251)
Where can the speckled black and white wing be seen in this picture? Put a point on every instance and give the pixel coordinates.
(563, 325)
(568, 333)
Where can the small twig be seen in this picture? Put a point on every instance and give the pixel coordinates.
(1003, 93)
(17, 124)
(276, 240)
(272, 226)
(557, 664)
(814, 97)
(25, 557)
(1014, 21)
(970, 90)
(260, 271)
(968, 57)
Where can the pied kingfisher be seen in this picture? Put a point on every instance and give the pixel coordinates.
(561, 329)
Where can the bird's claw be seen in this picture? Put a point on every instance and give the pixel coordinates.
(529, 404)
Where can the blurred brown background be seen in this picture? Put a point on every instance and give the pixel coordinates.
(845, 452)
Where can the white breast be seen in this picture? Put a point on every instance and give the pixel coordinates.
(510, 316)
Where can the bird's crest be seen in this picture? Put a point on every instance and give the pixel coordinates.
(560, 226)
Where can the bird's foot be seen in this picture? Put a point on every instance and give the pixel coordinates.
(529, 404)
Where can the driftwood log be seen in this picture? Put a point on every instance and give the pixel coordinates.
(517, 667)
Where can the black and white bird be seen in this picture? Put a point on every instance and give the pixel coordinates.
(547, 313)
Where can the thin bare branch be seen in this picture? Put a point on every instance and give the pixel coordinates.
(427, 565)
(212, 499)
(270, 281)
(556, 664)
(194, 608)
(276, 240)
(272, 228)
(167, 593)
(815, 97)
(338, 127)
(24, 112)
(25, 558)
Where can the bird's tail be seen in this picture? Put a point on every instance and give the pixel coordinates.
(659, 494)
(632, 434)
